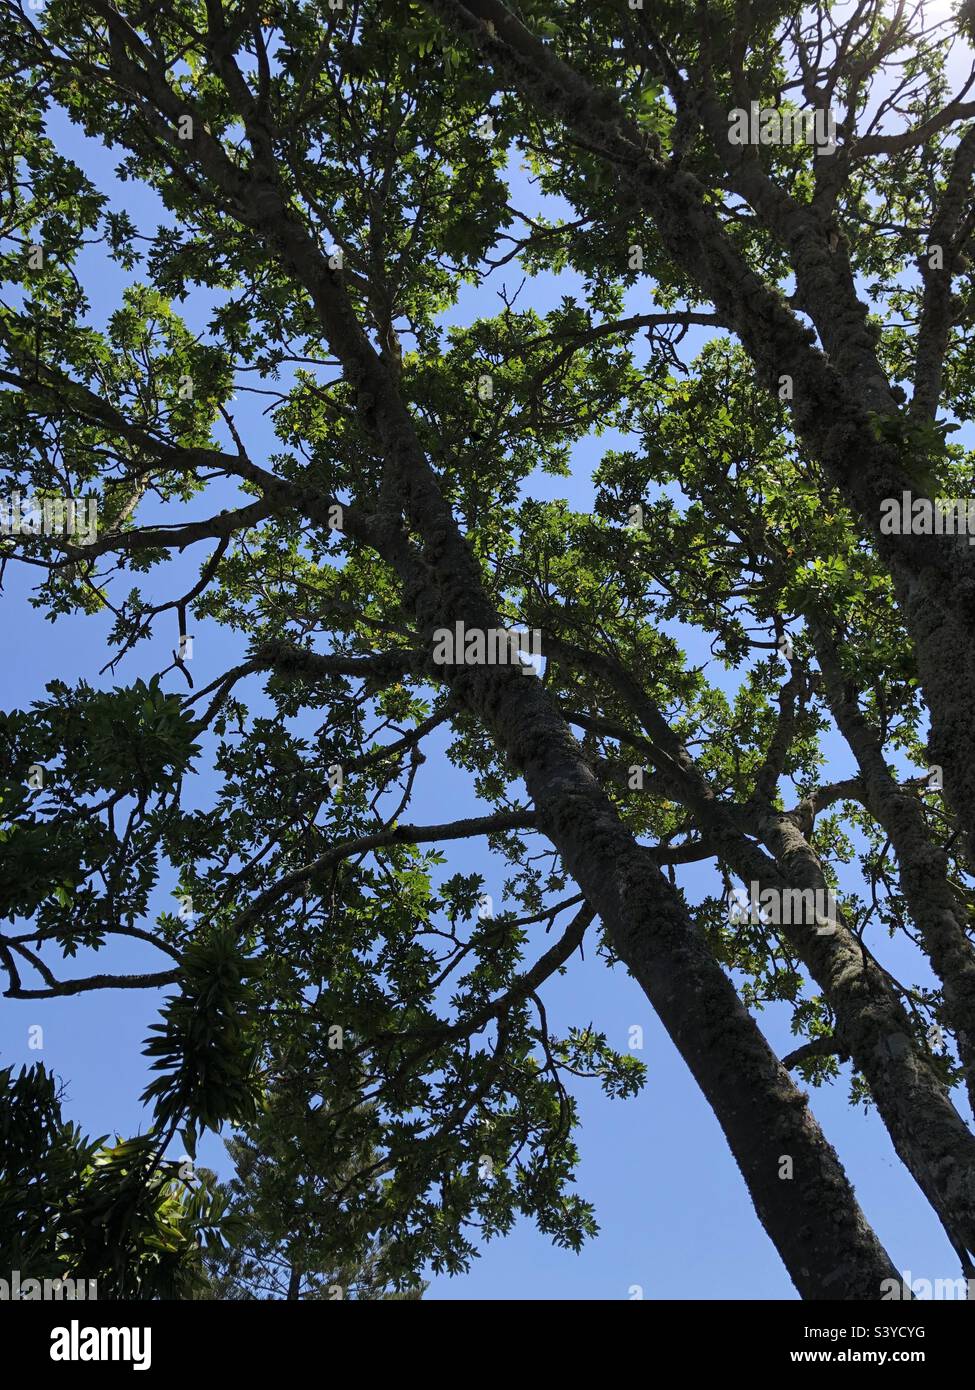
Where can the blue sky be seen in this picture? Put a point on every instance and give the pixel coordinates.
(675, 1217)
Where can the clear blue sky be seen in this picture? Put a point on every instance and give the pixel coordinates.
(674, 1214)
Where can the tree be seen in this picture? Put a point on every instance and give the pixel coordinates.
(81, 1209)
(297, 1239)
(331, 180)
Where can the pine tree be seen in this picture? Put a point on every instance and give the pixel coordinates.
(298, 1238)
